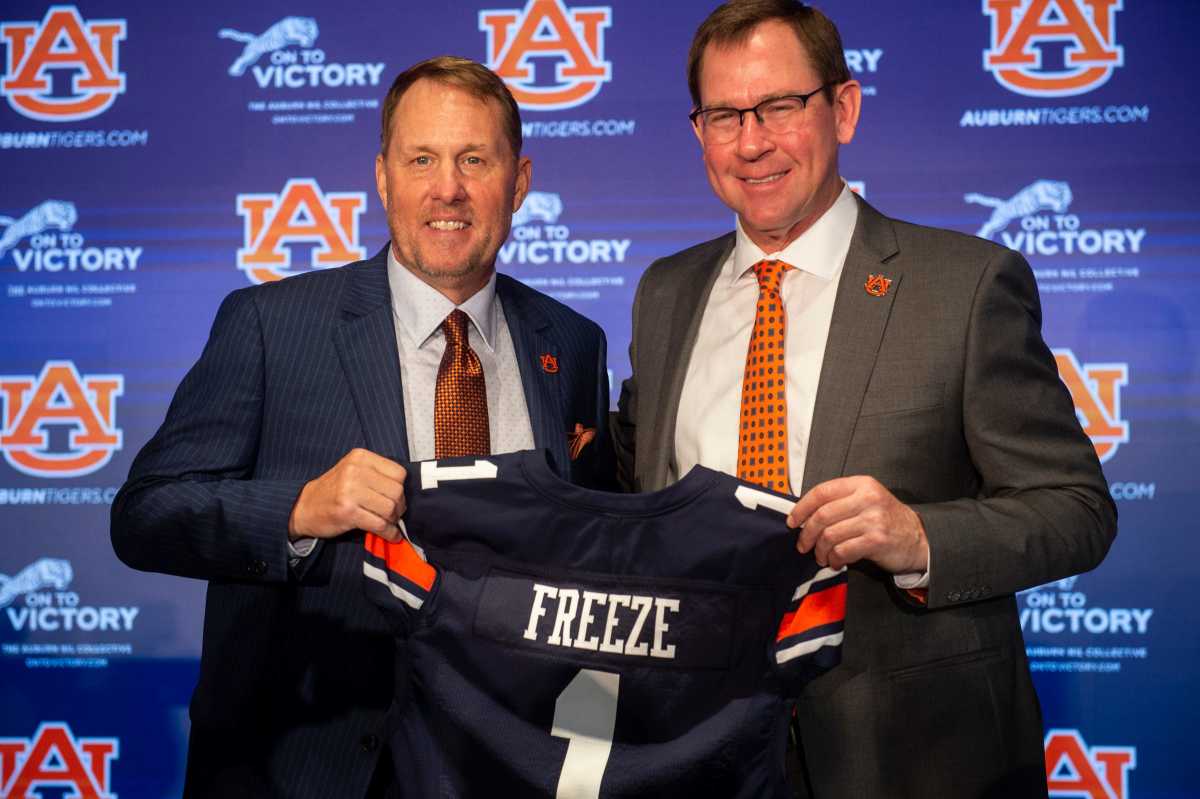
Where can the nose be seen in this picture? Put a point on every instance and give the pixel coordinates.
(448, 184)
(752, 140)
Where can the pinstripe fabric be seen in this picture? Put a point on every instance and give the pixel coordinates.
(298, 670)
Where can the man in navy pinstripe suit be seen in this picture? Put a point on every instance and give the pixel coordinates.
(283, 444)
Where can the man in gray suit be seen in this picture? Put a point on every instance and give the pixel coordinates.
(894, 377)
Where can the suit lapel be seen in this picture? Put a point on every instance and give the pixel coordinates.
(680, 339)
(537, 356)
(855, 333)
(366, 346)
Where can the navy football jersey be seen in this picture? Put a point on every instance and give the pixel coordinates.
(563, 642)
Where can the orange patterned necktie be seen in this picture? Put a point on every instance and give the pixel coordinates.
(763, 438)
(460, 416)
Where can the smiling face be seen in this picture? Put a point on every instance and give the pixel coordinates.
(778, 184)
(450, 183)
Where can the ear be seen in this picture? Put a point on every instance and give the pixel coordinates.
(381, 180)
(524, 181)
(699, 137)
(847, 104)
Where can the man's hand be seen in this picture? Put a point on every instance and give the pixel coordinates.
(855, 518)
(363, 491)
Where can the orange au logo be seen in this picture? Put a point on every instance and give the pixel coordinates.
(60, 423)
(300, 214)
(1074, 770)
(1020, 27)
(877, 285)
(79, 56)
(575, 37)
(54, 758)
(1096, 391)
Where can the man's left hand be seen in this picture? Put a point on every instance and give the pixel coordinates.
(849, 519)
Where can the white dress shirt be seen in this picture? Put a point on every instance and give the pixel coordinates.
(418, 311)
(706, 428)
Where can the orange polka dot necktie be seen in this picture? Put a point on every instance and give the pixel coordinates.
(763, 438)
(460, 415)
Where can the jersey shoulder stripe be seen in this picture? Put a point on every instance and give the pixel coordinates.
(399, 568)
(816, 618)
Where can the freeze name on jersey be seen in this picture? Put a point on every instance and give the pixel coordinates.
(606, 621)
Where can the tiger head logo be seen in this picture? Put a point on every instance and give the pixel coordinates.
(288, 31)
(48, 215)
(541, 206)
(42, 574)
(1041, 195)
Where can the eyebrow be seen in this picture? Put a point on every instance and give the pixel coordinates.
(469, 148)
(765, 99)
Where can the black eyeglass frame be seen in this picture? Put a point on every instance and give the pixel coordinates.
(741, 112)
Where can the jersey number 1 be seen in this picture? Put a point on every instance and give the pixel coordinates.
(586, 715)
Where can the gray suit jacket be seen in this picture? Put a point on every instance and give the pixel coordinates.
(944, 391)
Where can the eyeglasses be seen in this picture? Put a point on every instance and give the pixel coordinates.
(776, 114)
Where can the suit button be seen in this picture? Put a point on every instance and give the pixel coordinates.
(258, 568)
(953, 596)
(369, 743)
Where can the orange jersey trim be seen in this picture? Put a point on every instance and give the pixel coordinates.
(402, 559)
(816, 610)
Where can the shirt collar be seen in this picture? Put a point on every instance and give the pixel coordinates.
(819, 250)
(421, 309)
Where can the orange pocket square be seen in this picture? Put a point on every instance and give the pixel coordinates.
(579, 438)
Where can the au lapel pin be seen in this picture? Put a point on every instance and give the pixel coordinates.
(549, 364)
(877, 285)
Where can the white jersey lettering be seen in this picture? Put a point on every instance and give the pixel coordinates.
(626, 622)
(642, 604)
(540, 592)
(566, 614)
(661, 606)
(582, 641)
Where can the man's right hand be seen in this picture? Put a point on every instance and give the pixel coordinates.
(363, 491)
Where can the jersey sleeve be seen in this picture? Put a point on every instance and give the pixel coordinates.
(809, 640)
(397, 577)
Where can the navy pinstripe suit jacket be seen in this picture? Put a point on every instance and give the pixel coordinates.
(297, 672)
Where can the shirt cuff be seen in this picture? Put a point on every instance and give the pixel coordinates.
(912, 580)
(301, 547)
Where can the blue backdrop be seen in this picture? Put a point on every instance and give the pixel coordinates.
(154, 160)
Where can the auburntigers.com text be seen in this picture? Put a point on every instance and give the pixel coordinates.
(566, 128)
(1063, 115)
(36, 140)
